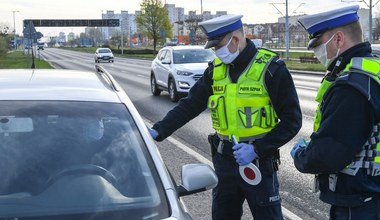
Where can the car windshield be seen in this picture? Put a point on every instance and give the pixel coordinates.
(193, 56)
(104, 51)
(68, 158)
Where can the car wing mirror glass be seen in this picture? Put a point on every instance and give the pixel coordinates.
(165, 62)
(196, 178)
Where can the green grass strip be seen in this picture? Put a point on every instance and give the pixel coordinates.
(18, 60)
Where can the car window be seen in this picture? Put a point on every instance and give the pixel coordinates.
(193, 56)
(52, 151)
(104, 51)
(168, 57)
(161, 55)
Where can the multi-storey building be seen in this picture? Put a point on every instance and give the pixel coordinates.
(183, 25)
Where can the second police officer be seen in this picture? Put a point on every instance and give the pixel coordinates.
(344, 150)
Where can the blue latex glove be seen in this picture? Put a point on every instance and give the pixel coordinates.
(244, 153)
(301, 144)
(153, 133)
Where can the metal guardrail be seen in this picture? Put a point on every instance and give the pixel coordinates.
(307, 72)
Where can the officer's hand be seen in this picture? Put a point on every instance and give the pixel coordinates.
(301, 144)
(244, 153)
(153, 132)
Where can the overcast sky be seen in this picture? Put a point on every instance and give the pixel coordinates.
(254, 11)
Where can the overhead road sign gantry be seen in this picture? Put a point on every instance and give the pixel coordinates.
(73, 22)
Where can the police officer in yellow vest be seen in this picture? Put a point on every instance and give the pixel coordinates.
(251, 95)
(344, 149)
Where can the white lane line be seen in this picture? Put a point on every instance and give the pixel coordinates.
(190, 151)
(143, 76)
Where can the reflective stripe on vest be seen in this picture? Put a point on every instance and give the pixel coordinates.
(321, 91)
(242, 108)
(369, 66)
(369, 157)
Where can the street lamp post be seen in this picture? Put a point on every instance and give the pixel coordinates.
(201, 8)
(370, 21)
(287, 32)
(122, 35)
(14, 30)
(286, 27)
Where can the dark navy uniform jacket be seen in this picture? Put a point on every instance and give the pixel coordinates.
(347, 120)
(281, 90)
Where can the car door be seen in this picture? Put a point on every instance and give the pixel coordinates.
(163, 68)
(157, 66)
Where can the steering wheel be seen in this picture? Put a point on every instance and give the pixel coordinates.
(83, 169)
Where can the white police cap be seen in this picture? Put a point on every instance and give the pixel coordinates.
(317, 24)
(218, 27)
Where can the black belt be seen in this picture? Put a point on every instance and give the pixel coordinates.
(225, 147)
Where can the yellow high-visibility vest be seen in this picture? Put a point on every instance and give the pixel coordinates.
(243, 108)
(369, 157)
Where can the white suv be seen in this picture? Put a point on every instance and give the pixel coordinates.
(176, 69)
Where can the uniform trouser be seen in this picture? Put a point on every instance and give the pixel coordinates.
(231, 191)
(369, 211)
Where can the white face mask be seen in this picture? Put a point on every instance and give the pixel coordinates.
(225, 55)
(321, 53)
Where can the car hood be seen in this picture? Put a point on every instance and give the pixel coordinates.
(192, 67)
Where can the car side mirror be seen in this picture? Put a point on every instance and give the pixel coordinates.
(165, 62)
(196, 178)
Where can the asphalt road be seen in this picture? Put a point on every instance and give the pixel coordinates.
(133, 75)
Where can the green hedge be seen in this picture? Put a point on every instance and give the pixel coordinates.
(129, 51)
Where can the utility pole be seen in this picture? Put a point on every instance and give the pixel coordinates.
(287, 31)
(370, 6)
(14, 30)
(370, 21)
(130, 35)
(122, 35)
(286, 24)
(201, 10)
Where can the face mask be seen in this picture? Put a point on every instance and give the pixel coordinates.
(321, 53)
(225, 55)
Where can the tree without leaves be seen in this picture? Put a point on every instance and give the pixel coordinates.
(376, 32)
(192, 25)
(153, 20)
(376, 29)
(4, 30)
(5, 38)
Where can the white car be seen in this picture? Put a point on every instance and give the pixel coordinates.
(176, 69)
(73, 146)
(376, 49)
(104, 54)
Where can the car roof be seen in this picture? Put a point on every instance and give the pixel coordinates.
(375, 46)
(186, 47)
(103, 48)
(54, 84)
(376, 49)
